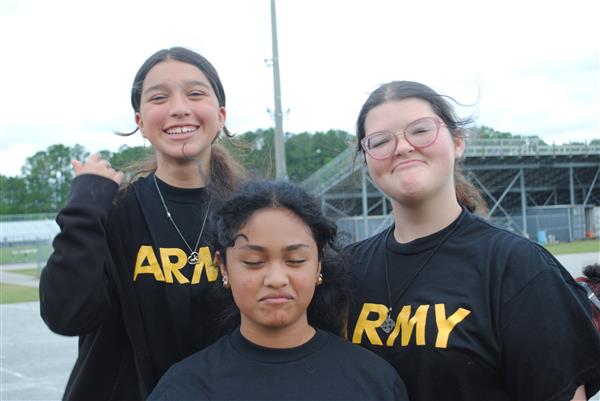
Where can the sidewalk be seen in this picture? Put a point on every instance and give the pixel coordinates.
(8, 276)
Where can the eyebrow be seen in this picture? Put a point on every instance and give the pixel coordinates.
(186, 83)
(260, 248)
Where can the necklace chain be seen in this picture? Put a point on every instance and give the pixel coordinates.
(193, 257)
(388, 324)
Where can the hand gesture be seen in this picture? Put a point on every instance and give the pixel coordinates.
(98, 166)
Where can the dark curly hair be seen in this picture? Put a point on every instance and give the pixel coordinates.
(591, 277)
(328, 308)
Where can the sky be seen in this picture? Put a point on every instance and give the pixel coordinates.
(525, 67)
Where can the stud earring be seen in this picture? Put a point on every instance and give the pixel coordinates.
(320, 279)
(225, 282)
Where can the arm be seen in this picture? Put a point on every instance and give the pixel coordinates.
(74, 289)
(550, 349)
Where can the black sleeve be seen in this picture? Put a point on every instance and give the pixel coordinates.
(74, 288)
(549, 345)
(400, 393)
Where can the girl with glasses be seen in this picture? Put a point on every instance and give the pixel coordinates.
(285, 297)
(464, 310)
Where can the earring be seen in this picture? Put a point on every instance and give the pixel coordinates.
(320, 279)
(225, 282)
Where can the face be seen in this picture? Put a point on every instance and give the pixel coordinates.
(413, 175)
(179, 112)
(272, 270)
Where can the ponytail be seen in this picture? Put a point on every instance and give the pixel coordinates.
(467, 194)
(226, 173)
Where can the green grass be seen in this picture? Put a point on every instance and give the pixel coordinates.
(24, 253)
(33, 272)
(10, 294)
(583, 246)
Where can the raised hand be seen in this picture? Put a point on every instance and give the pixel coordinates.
(98, 166)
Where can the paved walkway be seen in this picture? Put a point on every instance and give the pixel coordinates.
(35, 363)
(9, 274)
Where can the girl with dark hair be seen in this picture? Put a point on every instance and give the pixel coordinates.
(590, 281)
(462, 309)
(287, 298)
(131, 274)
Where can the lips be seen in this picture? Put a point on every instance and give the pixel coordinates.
(407, 163)
(276, 298)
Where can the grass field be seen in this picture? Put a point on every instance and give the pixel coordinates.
(584, 246)
(34, 272)
(10, 294)
(25, 253)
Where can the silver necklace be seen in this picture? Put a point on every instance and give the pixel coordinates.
(388, 324)
(193, 257)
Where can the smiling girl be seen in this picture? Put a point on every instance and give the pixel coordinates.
(131, 273)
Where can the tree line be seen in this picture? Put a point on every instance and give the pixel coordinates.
(45, 179)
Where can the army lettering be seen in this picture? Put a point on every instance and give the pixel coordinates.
(406, 325)
(172, 261)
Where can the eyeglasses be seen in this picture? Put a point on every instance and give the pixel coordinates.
(419, 134)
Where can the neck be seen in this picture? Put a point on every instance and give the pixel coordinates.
(423, 219)
(188, 174)
(281, 337)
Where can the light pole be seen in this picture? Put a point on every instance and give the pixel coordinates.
(280, 165)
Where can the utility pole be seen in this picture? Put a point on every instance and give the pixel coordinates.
(280, 165)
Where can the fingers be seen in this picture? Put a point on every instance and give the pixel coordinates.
(96, 165)
(76, 166)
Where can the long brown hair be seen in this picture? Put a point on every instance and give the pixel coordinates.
(467, 194)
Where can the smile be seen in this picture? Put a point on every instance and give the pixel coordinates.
(181, 130)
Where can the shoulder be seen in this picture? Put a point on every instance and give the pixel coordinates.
(361, 254)
(353, 355)
(368, 243)
(510, 261)
(505, 247)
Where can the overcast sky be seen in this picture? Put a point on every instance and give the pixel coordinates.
(527, 67)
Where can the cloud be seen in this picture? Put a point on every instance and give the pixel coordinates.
(527, 67)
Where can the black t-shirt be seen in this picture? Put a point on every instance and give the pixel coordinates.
(175, 298)
(324, 368)
(491, 315)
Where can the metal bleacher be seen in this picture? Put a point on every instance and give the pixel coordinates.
(27, 231)
(513, 175)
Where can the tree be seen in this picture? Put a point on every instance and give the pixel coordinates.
(306, 153)
(126, 156)
(255, 150)
(12, 195)
(48, 175)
